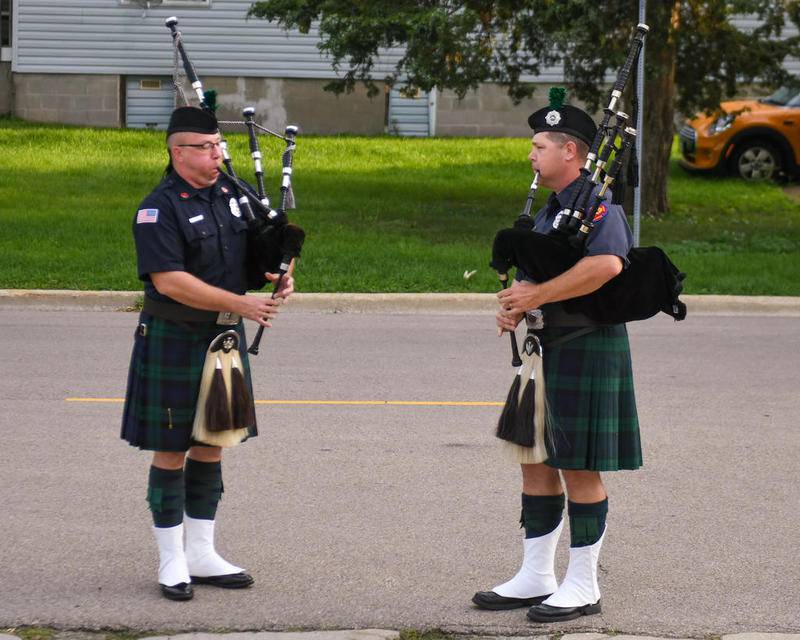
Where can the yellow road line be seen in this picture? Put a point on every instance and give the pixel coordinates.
(402, 403)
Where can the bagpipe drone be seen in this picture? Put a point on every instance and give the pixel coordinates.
(273, 241)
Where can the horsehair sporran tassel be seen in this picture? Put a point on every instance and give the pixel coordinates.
(218, 412)
(241, 399)
(507, 423)
(529, 409)
(528, 431)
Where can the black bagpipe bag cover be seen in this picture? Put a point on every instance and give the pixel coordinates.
(651, 282)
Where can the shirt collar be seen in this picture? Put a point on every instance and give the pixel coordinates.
(567, 194)
(187, 191)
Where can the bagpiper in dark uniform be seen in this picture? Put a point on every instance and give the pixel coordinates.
(191, 245)
(589, 391)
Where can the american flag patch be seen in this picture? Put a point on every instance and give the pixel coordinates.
(146, 215)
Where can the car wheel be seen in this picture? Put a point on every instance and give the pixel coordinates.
(757, 160)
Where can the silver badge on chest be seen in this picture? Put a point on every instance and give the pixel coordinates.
(235, 210)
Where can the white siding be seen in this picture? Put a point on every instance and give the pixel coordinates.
(103, 36)
(748, 23)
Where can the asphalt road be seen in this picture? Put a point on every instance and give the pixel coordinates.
(358, 515)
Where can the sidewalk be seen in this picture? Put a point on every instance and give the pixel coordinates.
(446, 303)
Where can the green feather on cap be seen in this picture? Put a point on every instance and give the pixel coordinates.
(557, 97)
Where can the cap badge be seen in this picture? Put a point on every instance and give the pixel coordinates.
(552, 118)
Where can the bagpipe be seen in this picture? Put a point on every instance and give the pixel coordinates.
(273, 241)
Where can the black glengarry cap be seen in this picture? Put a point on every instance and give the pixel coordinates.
(563, 118)
(193, 120)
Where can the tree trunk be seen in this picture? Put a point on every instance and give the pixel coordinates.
(658, 109)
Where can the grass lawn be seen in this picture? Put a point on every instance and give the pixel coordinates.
(381, 214)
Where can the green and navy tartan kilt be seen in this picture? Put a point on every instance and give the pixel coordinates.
(589, 388)
(164, 382)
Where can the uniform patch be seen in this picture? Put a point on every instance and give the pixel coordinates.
(235, 207)
(146, 215)
(224, 189)
(600, 213)
(184, 195)
(196, 218)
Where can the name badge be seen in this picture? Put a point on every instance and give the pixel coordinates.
(196, 218)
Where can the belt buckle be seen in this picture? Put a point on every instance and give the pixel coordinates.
(228, 318)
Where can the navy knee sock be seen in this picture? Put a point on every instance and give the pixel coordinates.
(586, 522)
(165, 496)
(541, 514)
(203, 488)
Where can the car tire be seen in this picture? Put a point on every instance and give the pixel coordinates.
(757, 160)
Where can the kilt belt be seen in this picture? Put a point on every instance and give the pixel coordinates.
(176, 312)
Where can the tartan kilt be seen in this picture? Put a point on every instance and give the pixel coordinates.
(164, 382)
(589, 389)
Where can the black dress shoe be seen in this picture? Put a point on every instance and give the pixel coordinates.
(230, 581)
(180, 591)
(494, 602)
(546, 613)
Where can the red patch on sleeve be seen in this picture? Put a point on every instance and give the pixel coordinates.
(600, 213)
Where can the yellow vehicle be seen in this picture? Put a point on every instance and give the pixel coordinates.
(754, 139)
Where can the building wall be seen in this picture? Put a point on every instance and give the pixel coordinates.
(6, 89)
(489, 112)
(97, 100)
(278, 102)
(90, 100)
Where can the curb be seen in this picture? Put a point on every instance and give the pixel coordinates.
(393, 303)
(388, 634)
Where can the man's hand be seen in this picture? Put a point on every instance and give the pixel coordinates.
(520, 297)
(259, 309)
(286, 287)
(507, 321)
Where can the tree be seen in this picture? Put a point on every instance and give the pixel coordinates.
(695, 56)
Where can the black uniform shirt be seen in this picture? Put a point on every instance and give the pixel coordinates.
(199, 231)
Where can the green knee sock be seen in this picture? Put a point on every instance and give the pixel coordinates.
(541, 514)
(203, 488)
(586, 522)
(165, 495)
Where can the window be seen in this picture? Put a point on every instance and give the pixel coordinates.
(5, 23)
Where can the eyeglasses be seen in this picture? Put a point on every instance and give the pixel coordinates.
(206, 146)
